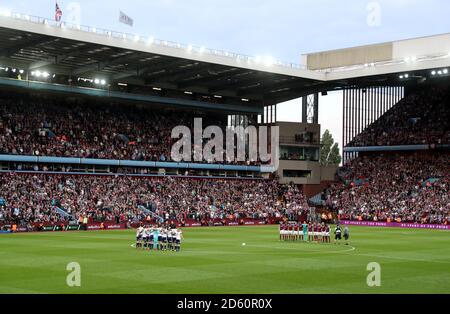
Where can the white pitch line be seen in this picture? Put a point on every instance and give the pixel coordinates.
(352, 248)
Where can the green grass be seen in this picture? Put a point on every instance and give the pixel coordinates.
(213, 260)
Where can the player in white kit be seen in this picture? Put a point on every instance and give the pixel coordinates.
(139, 234)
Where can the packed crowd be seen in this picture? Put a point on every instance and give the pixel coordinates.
(65, 128)
(394, 188)
(26, 198)
(421, 118)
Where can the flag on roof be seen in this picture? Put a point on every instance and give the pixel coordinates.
(58, 13)
(125, 19)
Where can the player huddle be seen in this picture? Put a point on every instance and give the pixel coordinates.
(319, 232)
(159, 238)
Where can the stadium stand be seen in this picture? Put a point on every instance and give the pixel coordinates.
(420, 118)
(400, 186)
(30, 199)
(394, 188)
(59, 128)
(122, 102)
(367, 188)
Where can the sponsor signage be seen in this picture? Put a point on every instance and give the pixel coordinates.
(395, 225)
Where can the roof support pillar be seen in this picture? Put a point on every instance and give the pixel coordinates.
(310, 108)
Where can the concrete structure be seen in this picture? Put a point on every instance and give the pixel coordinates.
(300, 153)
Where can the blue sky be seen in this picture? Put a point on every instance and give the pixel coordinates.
(283, 29)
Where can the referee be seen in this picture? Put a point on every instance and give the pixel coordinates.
(337, 234)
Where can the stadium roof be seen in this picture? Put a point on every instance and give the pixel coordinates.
(34, 43)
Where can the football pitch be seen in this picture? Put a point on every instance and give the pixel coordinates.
(214, 260)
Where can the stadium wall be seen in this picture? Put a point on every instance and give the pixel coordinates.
(430, 46)
(291, 165)
(327, 177)
(311, 190)
(350, 56)
(124, 163)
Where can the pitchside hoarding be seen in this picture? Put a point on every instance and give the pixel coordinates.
(404, 225)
